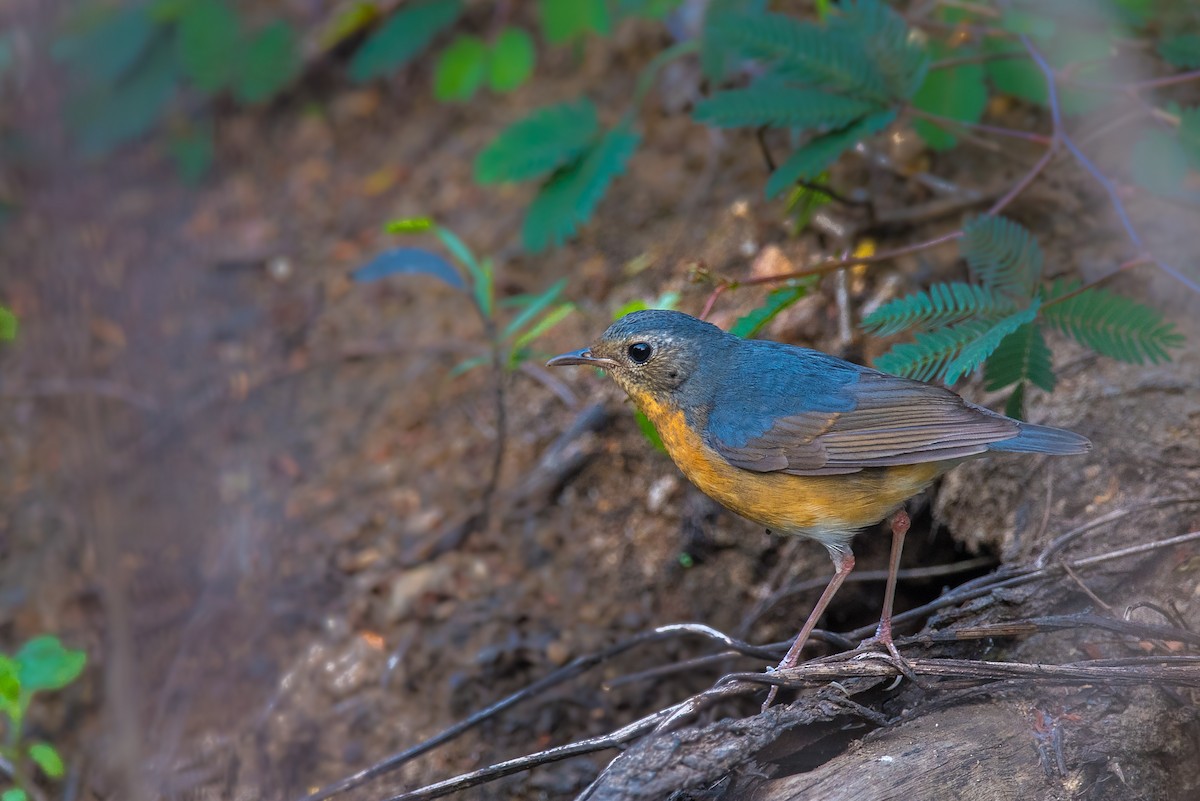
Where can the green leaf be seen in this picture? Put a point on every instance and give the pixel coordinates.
(819, 153)
(485, 286)
(106, 119)
(779, 299)
(803, 203)
(511, 61)
(268, 62)
(930, 352)
(460, 251)
(14, 794)
(208, 35)
(1029, 23)
(1015, 74)
(1189, 133)
(667, 300)
(460, 69)
(409, 261)
(891, 50)
(1002, 255)
(1021, 357)
(649, 9)
(467, 365)
(192, 150)
(105, 51)
(1181, 50)
(798, 51)
(565, 20)
(10, 687)
(536, 306)
(403, 37)
(44, 664)
(547, 139)
(8, 325)
(957, 92)
(943, 304)
(770, 103)
(1114, 326)
(1160, 162)
(46, 757)
(568, 199)
(409, 225)
(717, 54)
(648, 430)
(556, 316)
(974, 352)
(1014, 407)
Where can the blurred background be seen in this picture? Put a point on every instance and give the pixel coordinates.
(291, 488)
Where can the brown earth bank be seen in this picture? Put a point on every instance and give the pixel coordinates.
(247, 487)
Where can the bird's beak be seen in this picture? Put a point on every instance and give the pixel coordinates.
(583, 356)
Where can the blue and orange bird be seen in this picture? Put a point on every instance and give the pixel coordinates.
(797, 440)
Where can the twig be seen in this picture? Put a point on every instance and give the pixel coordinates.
(511, 766)
(1110, 188)
(1177, 670)
(568, 671)
(950, 122)
(1063, 540)
(795, 588)
(1015, 578)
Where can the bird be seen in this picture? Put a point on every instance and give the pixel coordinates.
(799, 441)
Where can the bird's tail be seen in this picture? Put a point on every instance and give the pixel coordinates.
(1043, 439)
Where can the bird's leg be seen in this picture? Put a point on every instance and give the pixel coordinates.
(883, 634)
(843, 563)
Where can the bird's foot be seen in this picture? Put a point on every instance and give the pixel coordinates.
(883, 637)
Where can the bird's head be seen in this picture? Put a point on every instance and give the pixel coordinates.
(652, 353)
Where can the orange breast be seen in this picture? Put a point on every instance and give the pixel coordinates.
(827, 508)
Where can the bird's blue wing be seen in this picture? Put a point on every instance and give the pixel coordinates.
(815, 414)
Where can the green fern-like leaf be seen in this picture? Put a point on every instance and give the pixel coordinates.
(1014, 407)
(403, 37)
(547, 139)
(568, 199)
(802, 52)
(942, 305)
(814, 158)
(779, 300)
(1002, 255)
(1021, 357)
(1189, 134)
(1115, 326)
(974, 353)
(926, 357)
(770, 103)
(889, 48)
(717, 57)
(1182, 50)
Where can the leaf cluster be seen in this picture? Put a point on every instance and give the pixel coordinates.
(42, 664)
(833, 82)
(532, 315)
(132, 65)
(997, 320)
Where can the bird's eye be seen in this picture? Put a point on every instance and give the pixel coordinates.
(640, 352)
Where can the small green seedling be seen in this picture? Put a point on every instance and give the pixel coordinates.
(41, 664)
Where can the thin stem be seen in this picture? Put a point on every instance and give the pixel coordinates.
(1136, 261)
(1023, 184)
(1110, 188)
(1012, 133)
(828, 266)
